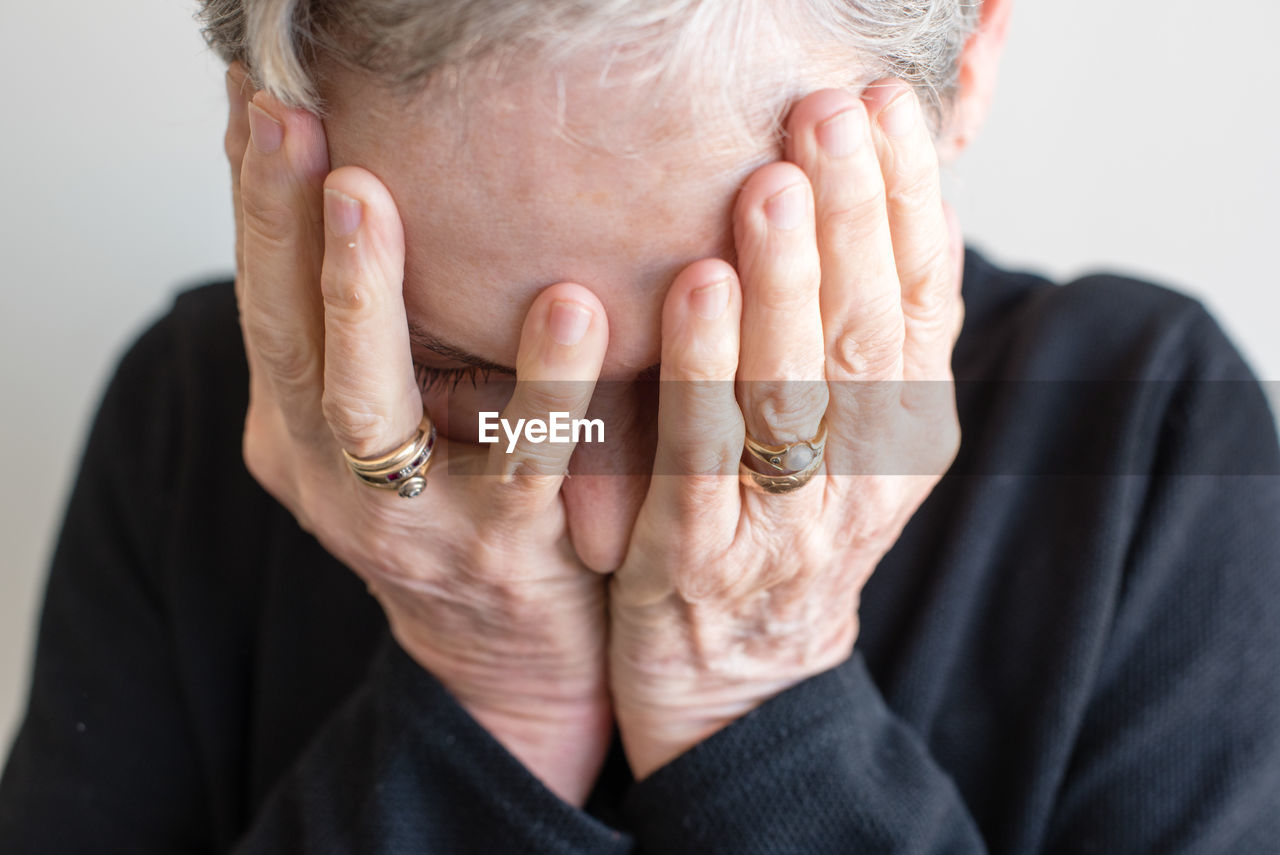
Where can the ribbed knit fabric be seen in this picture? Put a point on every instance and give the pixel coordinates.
(1074, 647)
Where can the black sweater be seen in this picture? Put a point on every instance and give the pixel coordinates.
(1074, 646)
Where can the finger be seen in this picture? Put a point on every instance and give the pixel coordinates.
(562, 346)
(781, 384)
(370, 398)
(921, 238)
(699, 422)
(239, 91)
(281, 181)
(956, 244)
(830, 139)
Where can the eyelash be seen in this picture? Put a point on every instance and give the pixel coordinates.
(430, 378)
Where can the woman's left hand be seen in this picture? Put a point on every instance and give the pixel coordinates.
(844, 308)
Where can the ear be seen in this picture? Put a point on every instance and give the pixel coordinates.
(976, 82)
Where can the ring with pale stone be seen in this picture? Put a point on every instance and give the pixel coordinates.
(403, 469)
(782, 468)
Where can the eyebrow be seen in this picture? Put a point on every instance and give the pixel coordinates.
(432, 342)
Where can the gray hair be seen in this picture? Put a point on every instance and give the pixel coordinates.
(763, 53)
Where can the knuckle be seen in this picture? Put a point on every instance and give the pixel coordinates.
(275, 211)
(926, 278)
(343, 296)
(706, 438)
(366, 530)
(517, 495)
(379, 551)
(701, 580)
(869, 350)
(266, 218)
(285, 359)
(486, 555)
(787, 283)
(858, 217)
(785, 411)
(929, 323)
(914, 193)
(346, 293)
(702, 466)
(710, 370)
(362, 430)
(530, 466)
(706, 361)
(547, 396)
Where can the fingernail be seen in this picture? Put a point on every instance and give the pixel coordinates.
(709, 301)
(899, 116)
(342, 213)
(786, 209)
(840, 135)
(265, 132)
(568, 322)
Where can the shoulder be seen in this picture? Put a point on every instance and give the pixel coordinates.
(192, 355)
(200, 330)
(173, 412)
(1103, 374)
(1098, 327)
(200, 325)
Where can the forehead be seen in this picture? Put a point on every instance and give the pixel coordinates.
(514, 186)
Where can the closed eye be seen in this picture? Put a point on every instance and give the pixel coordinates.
(429, 378)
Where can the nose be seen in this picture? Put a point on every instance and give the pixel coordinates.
(608, 480)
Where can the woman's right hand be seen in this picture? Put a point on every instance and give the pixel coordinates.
(476, 575)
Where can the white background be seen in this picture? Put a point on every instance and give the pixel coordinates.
(1140, 137)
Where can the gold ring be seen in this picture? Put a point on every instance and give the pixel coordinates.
(782, 468)
(403, 469)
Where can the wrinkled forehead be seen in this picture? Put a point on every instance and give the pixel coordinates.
(538, 180)
(550, 134)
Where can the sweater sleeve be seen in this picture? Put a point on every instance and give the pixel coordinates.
(108, 758)
(1179, 750)
(825, 767)
(403, 768)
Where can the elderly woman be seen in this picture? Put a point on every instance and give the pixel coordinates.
(747, 611)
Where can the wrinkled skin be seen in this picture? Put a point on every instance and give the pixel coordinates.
(836, 264)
